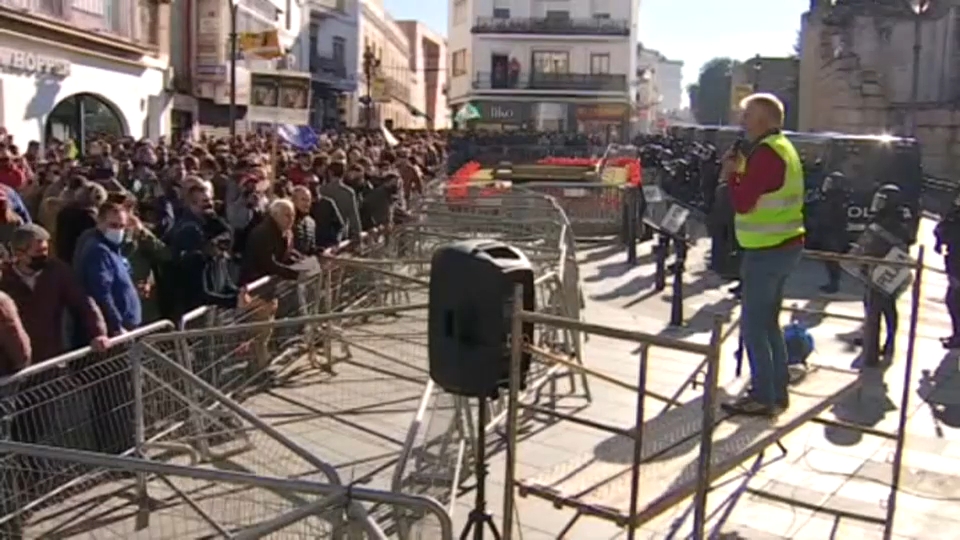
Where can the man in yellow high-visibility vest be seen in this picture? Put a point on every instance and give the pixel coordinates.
(765, 183)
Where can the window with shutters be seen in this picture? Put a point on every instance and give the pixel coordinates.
(459, 63)
(599, 64)
(551, 62)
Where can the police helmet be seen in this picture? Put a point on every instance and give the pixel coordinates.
(886, 197)
(833, 182)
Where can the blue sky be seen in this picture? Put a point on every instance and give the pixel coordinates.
(690, 30)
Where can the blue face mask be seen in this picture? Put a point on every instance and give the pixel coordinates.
(114, 235)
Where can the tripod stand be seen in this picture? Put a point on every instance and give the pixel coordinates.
(479, 517)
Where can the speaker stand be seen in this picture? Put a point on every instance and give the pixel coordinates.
(479, 517)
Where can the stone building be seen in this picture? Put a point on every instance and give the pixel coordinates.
(777, 76)
(856, 73)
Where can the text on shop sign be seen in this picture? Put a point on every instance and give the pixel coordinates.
(28, 62)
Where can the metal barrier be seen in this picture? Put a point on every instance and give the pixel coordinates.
(440, 440)
(148, 415)
(593, 209)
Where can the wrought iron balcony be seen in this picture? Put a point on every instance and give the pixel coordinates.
(131, 20)
(552, 26)
(327, 66)
(589, 82)
(398, 90)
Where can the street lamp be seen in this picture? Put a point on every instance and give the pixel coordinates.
(370, 64)
(757, 66)
(234, 4)
(920, 8)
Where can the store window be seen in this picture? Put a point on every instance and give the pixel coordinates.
(83, 117)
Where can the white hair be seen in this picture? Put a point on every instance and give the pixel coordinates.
(768, 101)
(279, 206)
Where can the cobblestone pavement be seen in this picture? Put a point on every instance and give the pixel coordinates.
(825, 467)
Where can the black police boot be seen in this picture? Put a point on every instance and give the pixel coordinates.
(830, 288)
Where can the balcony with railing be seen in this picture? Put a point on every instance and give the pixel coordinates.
(397, 89)
(321, 7)
(328, 66)
(133, 21)
(552, 26)
(535, 81)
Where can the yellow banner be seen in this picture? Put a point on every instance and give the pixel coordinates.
(739, 93)
(260, 44)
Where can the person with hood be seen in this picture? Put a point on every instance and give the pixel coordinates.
(77, 217)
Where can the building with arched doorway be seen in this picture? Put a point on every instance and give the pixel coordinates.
(59, 82)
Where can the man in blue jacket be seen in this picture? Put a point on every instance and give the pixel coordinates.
(105, 273)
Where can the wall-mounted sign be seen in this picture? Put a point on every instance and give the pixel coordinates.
(503, 112)
(281, 98)
(211, 41)
(260, 44)
(32, 63)
(610, 112)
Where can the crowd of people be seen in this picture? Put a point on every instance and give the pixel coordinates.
(96, 243)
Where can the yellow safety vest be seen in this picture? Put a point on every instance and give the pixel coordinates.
(778, 216)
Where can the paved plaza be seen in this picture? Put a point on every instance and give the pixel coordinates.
(825, 467)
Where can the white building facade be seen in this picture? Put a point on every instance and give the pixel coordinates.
(210, 62)
(65, 77)
(554, 65)
(428, 59)
(384, 53)
(670, 80)
(659, 90)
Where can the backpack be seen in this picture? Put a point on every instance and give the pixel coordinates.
(800, 346)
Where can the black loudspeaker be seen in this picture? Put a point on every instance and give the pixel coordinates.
(471, 304)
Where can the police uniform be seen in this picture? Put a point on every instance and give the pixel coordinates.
(831, 216)
(893, 217)
(947, 233)
(765, 234)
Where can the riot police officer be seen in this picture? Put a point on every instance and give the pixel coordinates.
(831, 225)
(887, 212)
(947, 233)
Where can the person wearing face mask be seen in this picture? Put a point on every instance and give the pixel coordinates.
(106, 274)
(45, 290)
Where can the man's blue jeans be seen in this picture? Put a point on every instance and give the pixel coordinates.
(763, 274)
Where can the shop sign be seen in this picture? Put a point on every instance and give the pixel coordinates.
(502, 112)
(279, 98)
(604, 112)
(32, 63)
(211, 41)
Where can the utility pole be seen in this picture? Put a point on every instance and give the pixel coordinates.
(757, 66)
(919, 8)
(370, 65)
(233, 67)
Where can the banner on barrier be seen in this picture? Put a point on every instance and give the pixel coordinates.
(879, 243)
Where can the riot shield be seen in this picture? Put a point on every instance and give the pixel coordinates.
(877, 242)
(668, 215)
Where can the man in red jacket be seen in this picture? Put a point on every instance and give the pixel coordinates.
(10, 174)
(301, 173)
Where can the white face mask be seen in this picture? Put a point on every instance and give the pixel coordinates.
(114, 235)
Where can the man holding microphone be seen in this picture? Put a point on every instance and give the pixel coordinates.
(765, 184)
